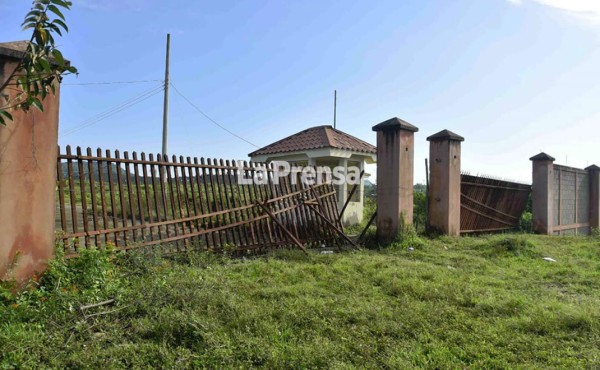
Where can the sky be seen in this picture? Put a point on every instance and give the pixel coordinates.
(514, 77)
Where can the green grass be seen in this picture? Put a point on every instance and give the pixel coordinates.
(481, 302)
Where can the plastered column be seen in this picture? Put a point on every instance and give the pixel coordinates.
(444, 182)
(395, 166)
(28, 151)
(542, 193)
(594, 176)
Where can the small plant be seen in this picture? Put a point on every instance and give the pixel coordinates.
(526, 222)
(514, 244)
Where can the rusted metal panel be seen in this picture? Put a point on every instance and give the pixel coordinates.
(491, 205)
(142, 202)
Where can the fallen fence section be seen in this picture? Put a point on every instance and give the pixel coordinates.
(139, 201)
(491, 205)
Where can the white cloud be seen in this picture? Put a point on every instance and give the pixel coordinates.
(588, 9)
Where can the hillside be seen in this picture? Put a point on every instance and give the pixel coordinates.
(489, 302)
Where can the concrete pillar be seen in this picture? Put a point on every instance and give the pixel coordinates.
(542, 194)
(395, 165)
(594, 176)
(28, 151)
(444, 182)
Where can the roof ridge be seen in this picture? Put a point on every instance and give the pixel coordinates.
(313, 138)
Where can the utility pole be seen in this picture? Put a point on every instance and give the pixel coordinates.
(334, 107)
(166, 102)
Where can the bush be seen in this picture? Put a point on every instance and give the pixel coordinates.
(526, 222)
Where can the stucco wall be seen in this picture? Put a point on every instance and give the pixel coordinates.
(28, 151)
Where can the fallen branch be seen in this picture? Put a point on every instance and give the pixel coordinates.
(103, 303)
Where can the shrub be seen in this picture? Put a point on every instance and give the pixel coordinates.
(526, 222)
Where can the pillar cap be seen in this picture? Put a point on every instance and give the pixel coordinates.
(445, 135)
(542, 157)
(13, 49)
(17, 49)
(394, 124)
(592, 168)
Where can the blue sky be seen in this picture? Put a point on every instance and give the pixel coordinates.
(514, 77)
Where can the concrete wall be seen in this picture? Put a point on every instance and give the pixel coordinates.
(565, 200)
(28, 152)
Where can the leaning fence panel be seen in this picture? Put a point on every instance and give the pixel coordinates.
(177, 204)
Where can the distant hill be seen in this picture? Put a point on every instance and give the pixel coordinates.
(115, 170)
(86, 170)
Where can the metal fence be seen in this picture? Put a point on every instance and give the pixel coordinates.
(491, 205)
(183, 203)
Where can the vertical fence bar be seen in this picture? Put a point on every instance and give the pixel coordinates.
(91, 174)
(61, 197)
(136, 178)
(83, 197)
(121, 197)
(111, 189)
(216, 202)
(172, 199)
(252, 199)
(186, 197)
(72, 197)
(193, 210)
(245, 214)
(204, 222)
(207, 179)
(178, 204)
(130, 195)
(157, 190)
(231, 216)
(105, 225)
(147, 189)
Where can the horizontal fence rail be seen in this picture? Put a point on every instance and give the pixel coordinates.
(105, 198)
(491, 205)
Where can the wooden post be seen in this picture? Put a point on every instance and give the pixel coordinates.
(395, 165)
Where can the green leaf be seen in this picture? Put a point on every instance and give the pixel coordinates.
(6, 114)
(62, 24)
(45, 65)
(59, 57)
(55, 10)
(38, 104)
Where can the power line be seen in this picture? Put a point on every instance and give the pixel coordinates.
(110, 83)
(210, 119)
(114, 110)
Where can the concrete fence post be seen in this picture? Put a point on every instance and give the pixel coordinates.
(594, 176)
(28, 152)
(542, 193)
(444, 182)
(395, 166)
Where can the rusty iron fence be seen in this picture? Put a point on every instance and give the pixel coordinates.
(140, 201)
(491, 205)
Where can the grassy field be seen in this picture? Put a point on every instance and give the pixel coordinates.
(486, 302)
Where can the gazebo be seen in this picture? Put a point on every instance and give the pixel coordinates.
(325, 146)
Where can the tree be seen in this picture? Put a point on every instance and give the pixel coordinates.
(42, 64)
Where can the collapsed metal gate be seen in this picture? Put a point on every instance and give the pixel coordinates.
(187, 203)
(491, 205)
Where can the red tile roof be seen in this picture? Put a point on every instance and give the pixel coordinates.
(316, 138)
